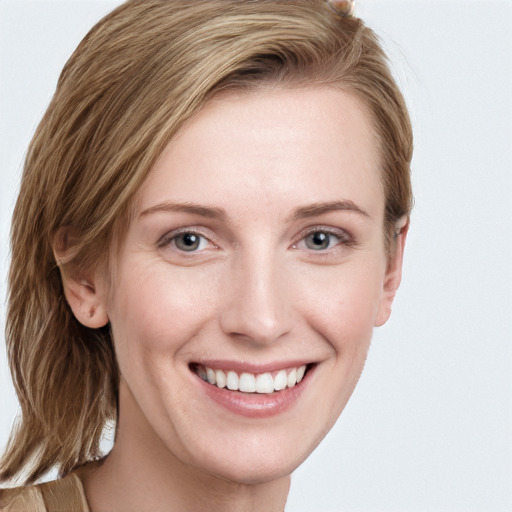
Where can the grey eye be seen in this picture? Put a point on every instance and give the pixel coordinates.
(188, 242)
(319, 240)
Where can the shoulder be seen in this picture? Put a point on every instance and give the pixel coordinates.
(65, 495)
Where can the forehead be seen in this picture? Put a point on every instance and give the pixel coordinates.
(283, 145)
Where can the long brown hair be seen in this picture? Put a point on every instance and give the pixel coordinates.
(132, 83)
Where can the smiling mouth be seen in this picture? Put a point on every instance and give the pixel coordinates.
(245, 382)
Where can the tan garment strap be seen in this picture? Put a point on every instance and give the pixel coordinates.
(21, 499)
(66, 495)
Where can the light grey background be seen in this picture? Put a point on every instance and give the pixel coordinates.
(430, 426)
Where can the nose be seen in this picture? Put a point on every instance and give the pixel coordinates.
(257, 304)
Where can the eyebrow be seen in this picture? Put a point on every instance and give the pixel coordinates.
(213, 212)
(192, 208)
(315, 209)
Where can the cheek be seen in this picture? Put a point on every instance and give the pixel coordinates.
(158, 311)
(342, 302)
(344, 312)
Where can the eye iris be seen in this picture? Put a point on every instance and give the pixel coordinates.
(187, 242)
(318, 240)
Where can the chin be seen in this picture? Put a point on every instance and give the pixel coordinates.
(255, 472)
(254, 459)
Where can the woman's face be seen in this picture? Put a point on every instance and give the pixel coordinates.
(256, 253)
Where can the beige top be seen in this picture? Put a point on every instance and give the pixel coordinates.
(65, 495)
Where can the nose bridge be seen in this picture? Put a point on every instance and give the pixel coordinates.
(258, 305)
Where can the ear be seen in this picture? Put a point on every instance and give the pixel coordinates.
(393, 274)
(85, 292)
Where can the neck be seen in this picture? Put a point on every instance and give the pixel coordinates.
(141, 473)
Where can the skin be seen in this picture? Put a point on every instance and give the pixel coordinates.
(257, 290)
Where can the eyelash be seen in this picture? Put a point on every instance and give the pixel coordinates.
(343, 239)
(169, 239)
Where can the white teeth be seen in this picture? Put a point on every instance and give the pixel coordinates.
(210, 375)
(220, 378)
(252, 383)
(247, 383)
(264, 383)
(280, 380)
(201, 372)
(232, 381)
(292, 378)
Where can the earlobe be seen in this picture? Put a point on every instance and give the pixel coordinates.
(85, 300)
(85, 292)
(393, 273)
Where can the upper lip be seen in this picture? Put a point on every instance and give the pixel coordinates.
(248, 367)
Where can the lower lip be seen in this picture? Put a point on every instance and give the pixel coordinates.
(256, 405)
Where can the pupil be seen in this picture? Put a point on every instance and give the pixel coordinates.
(189, 239)
(319, 240)
(187, 242)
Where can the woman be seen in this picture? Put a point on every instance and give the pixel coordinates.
(211, 221)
